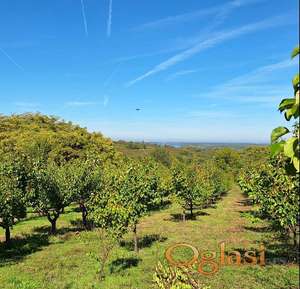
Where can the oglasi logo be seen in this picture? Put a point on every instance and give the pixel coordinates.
(207, 259)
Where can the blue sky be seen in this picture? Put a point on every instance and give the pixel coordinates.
(207, 71)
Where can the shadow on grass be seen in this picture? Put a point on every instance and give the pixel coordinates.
(281, 253)
(76, 223)
(143, 242)
(265, 229)
(21, 247)
(179, 217)
(246, 202)
(59, 231)
(276, 253)
(121, 264)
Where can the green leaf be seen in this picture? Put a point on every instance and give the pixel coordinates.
(290, 147)
(278, 132)
(296, 81)
(276, 148)
(295, 52)
(286, 103)
(289, 113)
(296, 163)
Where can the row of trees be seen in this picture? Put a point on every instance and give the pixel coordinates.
(48, 164)
(274, 186)
(134, 188)
(199, 186)
(276, 195)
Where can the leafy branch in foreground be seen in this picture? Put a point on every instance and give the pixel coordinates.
(166, 277)
(290, 146)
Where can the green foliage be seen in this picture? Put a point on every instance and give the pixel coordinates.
(166, 277)
(289, 147)
(228, 160)
(51, 139)
(79, 179)
(275, 193)
(130, 191)
(160, 154)
(13, 181)
(48, 191)
(198, 186)
(60, 157)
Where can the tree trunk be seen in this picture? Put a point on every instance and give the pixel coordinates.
(135, 239)
(53, 222)
(191, 209)
(53, 226)
(7, 235)
(295, 238)
(84, 214)
(183, 215)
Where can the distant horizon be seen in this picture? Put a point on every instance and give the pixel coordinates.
(170, 142)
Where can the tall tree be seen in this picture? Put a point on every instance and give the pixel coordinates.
(129, 192)
(13, 182)
(80, 180)
(47, 191)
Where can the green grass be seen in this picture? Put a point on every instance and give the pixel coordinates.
(37, 260)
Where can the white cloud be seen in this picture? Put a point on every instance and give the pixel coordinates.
(79, 103)
(180, 73)
(26, 105)
(211, 42)
(254, 87)
(109, 19)
(218, 10)
(84, 19)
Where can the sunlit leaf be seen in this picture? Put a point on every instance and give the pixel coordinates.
(286, 103)
(276, 148)
(290, 147)
(296, 81)
(295, 52)
(278, 132)
(296, 163)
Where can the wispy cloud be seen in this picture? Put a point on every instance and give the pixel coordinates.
(11, 59)
(84, 19)
(111, 75)
(213, 41)
(26, 105)
(220, 13)
(180, 73)
(218, 10)
(254, 87)
(144, 55)
(80, 103)
(109, 19)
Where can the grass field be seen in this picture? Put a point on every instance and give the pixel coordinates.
(37, 260)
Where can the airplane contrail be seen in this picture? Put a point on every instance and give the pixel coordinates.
(111, 75)
(84, 19)
(109, 20)
(11, 59)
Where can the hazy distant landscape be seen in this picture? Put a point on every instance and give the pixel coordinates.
(208, 145)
